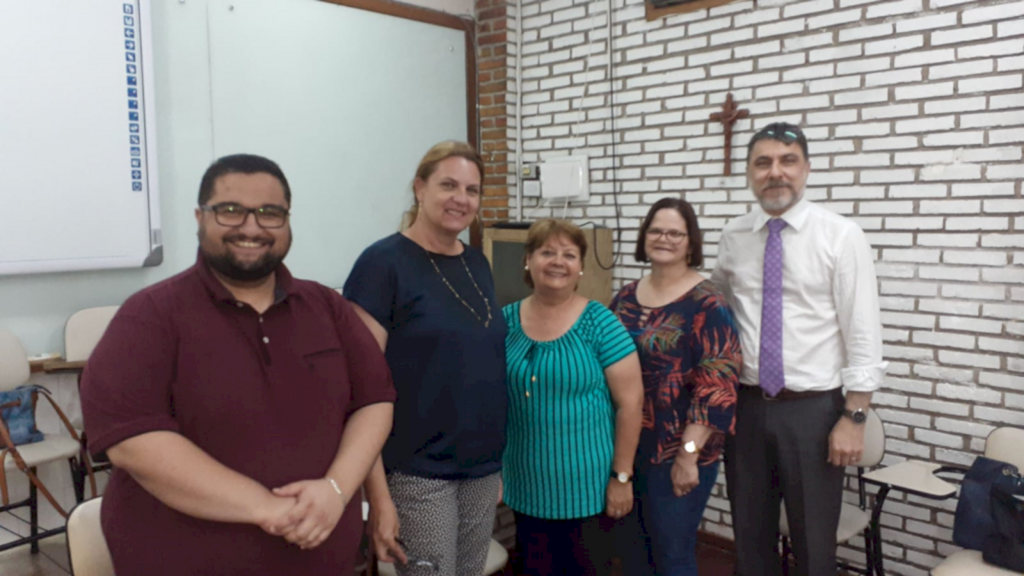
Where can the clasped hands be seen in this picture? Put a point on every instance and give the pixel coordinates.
(304, 513)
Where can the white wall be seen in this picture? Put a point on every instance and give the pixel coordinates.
(349, 153)
(915, 113)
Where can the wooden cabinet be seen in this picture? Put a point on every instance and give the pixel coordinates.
(504, 248)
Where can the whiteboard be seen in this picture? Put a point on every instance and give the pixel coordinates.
(346, 101)
(78, 176)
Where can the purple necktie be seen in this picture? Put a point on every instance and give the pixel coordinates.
(773, 377)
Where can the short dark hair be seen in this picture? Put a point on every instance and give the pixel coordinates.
(783, 132)
(543, 230)
(695, 249)
(241, 164)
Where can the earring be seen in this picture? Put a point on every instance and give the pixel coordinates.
(527, 267)
(581, 272)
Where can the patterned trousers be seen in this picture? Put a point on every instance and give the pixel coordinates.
(448, 522)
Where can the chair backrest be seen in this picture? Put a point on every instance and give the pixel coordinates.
(1005, 444)
(87, 547)
(14, 367)
(84, 330)
(874, 441)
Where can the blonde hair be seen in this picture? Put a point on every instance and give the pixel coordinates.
(543, 230)
(428, 164)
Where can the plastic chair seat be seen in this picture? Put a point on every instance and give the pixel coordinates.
(87, 547)
(497, 558)
(969, 563)
(53, 447)
(852, 522)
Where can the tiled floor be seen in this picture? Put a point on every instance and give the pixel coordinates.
(52, 559)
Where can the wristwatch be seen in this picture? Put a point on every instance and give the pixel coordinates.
(859, 416)
(622, 477)
(690, 447)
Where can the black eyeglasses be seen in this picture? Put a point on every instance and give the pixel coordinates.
(418, 562)
(231, 214)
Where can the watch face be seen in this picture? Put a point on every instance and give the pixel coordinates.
(623, 477)
(860, 417)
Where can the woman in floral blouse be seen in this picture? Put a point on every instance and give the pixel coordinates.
(690, 356)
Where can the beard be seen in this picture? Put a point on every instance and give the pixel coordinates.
(227, 265)
(786, 198)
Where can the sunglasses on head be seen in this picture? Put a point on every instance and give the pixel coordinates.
(787, 135)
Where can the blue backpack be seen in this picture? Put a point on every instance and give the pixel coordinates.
(18, 411)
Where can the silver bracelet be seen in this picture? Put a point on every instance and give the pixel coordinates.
(336, 489)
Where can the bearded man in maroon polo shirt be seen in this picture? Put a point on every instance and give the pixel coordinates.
(242, 408)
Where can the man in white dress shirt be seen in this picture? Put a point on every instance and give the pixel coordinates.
(801, 283)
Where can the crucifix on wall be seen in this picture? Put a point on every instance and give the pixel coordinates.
(728, 116)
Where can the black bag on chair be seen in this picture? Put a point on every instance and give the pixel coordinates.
(1004, 547)
(974, 522)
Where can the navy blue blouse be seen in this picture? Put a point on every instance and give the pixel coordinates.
(447, 366)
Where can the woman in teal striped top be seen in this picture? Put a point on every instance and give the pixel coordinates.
(575, 397)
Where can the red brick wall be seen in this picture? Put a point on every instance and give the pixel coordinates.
(493, 44)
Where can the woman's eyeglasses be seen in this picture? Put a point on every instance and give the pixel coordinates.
(672, 235)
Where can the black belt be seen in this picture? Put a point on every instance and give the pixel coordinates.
(786, 395)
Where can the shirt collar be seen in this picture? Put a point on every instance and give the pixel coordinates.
(794, 218)
(284, 282)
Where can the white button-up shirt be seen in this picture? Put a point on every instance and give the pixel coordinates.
(832, 330)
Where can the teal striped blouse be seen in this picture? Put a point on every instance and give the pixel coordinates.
(561, 420)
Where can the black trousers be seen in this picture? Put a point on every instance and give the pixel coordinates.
(577, 547)
(780, 453)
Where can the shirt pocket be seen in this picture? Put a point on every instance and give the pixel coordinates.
(327, 370)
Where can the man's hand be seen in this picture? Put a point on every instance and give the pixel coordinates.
(618, 499)
(277, 515)
(685, 476)
(320, 508)
(383, 530)
(845, 443)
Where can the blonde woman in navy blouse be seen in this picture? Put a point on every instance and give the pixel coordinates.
(575, 395)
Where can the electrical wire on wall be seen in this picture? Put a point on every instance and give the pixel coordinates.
(614, 151)
(574, 133)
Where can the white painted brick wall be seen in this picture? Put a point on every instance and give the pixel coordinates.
(915, 113)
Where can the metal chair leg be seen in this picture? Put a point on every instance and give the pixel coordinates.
(33, 514)
(77, 479)
(876, 532)
(786, 550)
(869, 551)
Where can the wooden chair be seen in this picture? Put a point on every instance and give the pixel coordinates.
(15, 372)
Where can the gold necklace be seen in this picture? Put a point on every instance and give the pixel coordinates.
(487, 322)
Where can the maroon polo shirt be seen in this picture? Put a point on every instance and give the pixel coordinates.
(265, 395)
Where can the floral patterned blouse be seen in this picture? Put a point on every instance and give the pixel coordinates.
(691, 359)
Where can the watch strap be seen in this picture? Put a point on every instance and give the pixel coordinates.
(858, 416)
